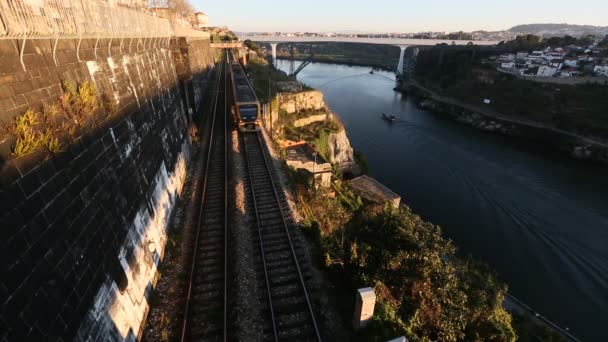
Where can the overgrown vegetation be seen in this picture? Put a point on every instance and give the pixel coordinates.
(424, 291)
(316, 134)
(261, 73)
(59, 123)
(460, 73)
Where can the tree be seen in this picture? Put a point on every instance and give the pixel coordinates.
(251, 45)
(179, 8)
(417, 275)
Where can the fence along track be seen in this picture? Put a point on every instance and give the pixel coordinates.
(205, 314)
(78, 19)
(86, 19)
(289, 306)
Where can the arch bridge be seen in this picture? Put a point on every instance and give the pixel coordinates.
(402, 43)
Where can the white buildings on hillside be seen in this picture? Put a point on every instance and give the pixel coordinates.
(601, 70)
(547, 71)
(559, 62)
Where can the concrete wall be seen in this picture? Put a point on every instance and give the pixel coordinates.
(84, 230)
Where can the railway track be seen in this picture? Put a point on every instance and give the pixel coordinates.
(291, 315)
(206, 311)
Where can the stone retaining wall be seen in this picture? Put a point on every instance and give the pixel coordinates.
(84, 230)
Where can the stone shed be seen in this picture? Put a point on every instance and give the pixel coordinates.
(304, 156)
(373, 191)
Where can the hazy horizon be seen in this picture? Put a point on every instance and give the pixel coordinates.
(385, 16)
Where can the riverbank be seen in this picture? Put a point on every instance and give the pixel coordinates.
(574, 145)
(330, 218)
(515, 204)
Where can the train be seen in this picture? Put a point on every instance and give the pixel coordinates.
(246, 107)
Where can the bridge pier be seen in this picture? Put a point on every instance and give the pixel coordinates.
(274, 53)
(401, 59)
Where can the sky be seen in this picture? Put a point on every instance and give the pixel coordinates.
(397, 15)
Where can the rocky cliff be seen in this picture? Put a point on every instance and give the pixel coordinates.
(311, 119)
(339, 150)
(297, 102)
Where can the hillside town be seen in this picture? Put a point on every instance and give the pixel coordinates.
(568, 61)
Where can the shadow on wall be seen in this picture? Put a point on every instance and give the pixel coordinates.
(85, 229)
(2, 162)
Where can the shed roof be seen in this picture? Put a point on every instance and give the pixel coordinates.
(373, 190)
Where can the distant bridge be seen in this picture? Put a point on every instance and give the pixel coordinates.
(403, 43)
(384, 41)
(226, 45)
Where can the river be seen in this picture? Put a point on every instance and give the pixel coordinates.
(537, 217)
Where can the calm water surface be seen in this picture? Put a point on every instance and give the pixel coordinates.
(538, 218)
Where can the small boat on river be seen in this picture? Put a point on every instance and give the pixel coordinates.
(389, 118)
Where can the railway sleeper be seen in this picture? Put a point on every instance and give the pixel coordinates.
(204, 287)
(267, 206)
(292, 320)
(259, 173)
(286, 269)
(305, 333)
(283, 279)
(264, 190)
(289, 304)
(209, 278)
(208, 296)
(265, 198)
(279, 263)
(284, 252)
(206, 248)
(272, 236)
(276, 247)
(214, 209)
(216, 253)
(267, 224)
(213, 220)
(209, 308)
(277, 255)
(273, 216)
(274, 211)
(206, 331)
(210, 266)
(216, 188)
(286, 290)
(212, 232)
(211, 241)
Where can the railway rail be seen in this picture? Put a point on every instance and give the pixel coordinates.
(206, 310)
(289, 307)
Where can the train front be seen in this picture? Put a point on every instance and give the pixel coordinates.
(249, 116)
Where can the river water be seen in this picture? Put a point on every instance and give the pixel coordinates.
(537, 217)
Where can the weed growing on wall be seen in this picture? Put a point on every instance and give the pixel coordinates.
(59, 123)
(26, 132)
(78, 102)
